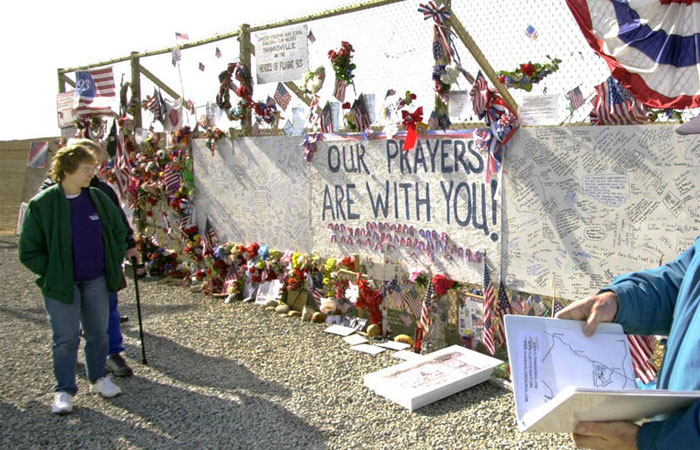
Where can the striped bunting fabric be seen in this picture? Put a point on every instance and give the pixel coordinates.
(651, 47)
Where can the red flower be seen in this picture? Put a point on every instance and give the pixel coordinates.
(502, 79)
(346, 105)
(441, 284)
(528, 69)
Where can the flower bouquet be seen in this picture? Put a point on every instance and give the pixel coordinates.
(528, 74)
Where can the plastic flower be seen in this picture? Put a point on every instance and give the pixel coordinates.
(528, 69)
(415, 273)
(352, 293)
(442, 284)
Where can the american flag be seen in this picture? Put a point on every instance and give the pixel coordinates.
(209, 239)
(156, 106)
(614, 105)
(282, 96)
(188, 219)
(480, 94)
(425, 307)
(311, 36)
(642, 348)
(531, 32)
(37, 154)
(489, 300)
(556, 307)
(504, 307)
(576, 98)
(410, 298)
(520, 306)
(327, 119)
(201, 67)
(230, 279)
(122, 169)
(217, 53)
(183, 36)
(172, 178)
(339, 90)
(95, 91)
(315, 292)
(359, 109)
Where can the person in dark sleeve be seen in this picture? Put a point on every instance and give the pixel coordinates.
(115, 362)
(74, 241)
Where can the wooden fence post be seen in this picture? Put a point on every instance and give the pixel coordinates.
(136, 88)
(245, 60)
(61, 81)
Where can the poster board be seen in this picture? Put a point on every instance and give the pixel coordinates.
(254, 190)
(430, 206)
(585, 204)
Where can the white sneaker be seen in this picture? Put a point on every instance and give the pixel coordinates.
(105, 387)
(62, 403)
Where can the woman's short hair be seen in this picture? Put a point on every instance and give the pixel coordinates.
(69, 158)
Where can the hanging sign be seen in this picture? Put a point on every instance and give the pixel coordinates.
(281, 54)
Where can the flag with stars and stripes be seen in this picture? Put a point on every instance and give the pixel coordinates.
(339, 90)
(209, 239)
(95, 92)
(576, 98)
(503, 308)
(614, 105)
(425, 307)
(217, 53)
(282, 96)
(641, 349)
(489, 300)
(480, 94)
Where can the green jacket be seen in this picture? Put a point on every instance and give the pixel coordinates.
(45, 245)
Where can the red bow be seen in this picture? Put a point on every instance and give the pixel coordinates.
(409, 121)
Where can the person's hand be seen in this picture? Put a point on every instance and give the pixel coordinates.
(594, 310)
(606, 435)
(131, 254)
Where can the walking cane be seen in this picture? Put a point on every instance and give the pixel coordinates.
(138, 311)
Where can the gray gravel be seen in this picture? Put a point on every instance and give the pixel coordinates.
(226, 376)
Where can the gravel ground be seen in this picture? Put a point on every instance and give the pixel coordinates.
(226, 376)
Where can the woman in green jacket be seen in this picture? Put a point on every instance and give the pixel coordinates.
(73, 239)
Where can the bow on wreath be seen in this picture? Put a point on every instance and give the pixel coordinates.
(409, 122)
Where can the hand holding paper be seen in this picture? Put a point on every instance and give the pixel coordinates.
(599, 308)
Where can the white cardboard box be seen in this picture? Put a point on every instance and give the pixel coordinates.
(416, 383)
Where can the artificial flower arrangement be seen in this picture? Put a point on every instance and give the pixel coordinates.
(441, 283)
(213, 135)
(342, 62)
(528, 74)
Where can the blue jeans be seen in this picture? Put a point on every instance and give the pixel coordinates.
(91, 307)
(114, 329)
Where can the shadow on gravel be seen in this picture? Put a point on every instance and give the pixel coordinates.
(8, 243)
(187, 365)
(196, 420)
(462, 400)
(33, 315)
(36, 427)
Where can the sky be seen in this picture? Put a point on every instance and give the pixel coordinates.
(40, 36)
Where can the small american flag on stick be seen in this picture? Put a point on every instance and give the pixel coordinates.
(425, 307)
(489, 300)
(282, 96)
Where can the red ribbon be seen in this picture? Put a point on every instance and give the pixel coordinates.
(409, 122)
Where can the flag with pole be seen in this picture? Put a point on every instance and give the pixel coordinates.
(503, 308)
(489, 300)
(425, 307)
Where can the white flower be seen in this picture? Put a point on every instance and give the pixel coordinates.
(450, 76)
(352, 293)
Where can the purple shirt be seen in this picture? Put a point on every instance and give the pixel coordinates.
(86, 234)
